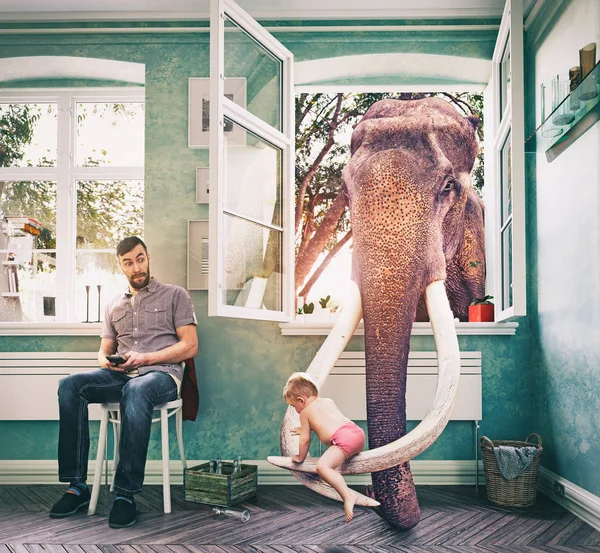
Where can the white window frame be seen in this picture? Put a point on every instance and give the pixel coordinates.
(221, 107)
(66, 174)
(511, 121)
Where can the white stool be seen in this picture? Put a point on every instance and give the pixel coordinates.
(110, 412)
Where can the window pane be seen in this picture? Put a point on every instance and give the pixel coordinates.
(108, 211)
(257, 72)
(98, 279)
(110, 133)
(253, 176)
(28, 135)
(506, 179)
(505, 78)
(27, 251)
(252, 265)
(507, 272)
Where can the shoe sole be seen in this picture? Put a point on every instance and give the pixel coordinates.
(65, 515)
(113, 525)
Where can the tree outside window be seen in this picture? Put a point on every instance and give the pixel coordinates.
(324, 124)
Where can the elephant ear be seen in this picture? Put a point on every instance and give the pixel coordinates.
(474, 121)
(466, 270)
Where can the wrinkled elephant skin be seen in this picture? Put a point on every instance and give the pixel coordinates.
(415, 219)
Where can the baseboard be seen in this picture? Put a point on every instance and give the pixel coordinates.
(424, 473)
(578, 501)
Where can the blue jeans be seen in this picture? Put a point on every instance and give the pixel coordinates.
(137, 397)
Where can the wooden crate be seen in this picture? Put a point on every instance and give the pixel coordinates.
(223, 490)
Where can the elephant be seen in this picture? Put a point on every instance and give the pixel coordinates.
(418, 232)
(416, 219)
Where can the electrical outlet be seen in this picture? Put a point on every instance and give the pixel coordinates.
(559, 489)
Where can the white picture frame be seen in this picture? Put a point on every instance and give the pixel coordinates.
(199, 110)
(197, 255)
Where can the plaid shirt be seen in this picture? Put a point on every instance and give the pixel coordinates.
(151, 323)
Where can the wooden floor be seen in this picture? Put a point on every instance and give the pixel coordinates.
(290, 519)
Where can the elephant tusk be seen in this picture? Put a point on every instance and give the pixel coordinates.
(434, 422)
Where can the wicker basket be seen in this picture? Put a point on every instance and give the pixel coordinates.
(522, 490)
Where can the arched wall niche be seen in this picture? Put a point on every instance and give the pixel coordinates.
(70, 67)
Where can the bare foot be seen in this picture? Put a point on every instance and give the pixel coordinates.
(349, 506)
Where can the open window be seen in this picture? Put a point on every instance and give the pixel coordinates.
(251, 160)
(506, 166)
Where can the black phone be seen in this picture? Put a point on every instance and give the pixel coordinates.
(116, 359)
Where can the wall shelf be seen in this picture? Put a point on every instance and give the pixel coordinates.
(577, 113)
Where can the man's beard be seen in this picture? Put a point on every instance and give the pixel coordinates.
(138, 285)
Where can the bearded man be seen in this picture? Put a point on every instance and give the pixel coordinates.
(152, 328)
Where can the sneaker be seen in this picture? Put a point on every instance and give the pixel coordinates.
(122, 514)
(69, 504)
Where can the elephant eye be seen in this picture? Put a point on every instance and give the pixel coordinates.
(449, 185)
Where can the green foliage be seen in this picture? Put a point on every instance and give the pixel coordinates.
(483, 301)
(17, 123)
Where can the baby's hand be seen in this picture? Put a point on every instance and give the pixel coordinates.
(295, 430)
(296, 459)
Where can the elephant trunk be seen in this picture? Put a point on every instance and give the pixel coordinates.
(387, 342)
(393, 268)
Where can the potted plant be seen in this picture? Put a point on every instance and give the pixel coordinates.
(481, 310)
(323, 311)
(308, 310)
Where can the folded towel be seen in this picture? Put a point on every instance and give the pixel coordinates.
(512, 461)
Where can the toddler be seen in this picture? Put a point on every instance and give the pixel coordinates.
(322, 416)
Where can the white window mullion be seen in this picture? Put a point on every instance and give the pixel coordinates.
(107, 173)
(65, 252)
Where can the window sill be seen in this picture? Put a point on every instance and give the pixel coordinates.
(419, 329)
(50, 329)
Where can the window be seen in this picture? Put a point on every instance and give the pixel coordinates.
(506, 166)
(251, 171)
(71, 186)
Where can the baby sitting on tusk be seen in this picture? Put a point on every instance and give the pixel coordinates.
(322, 416)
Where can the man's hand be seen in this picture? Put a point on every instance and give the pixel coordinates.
(134, 360)
(106, 364)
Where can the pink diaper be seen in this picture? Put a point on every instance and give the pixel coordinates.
(349, 438)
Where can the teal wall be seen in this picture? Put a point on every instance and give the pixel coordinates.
(242, 364)
(564, 259)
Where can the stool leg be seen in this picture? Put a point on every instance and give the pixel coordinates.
(164, 429)
(116, 424)
(99, 459)
(179, 430)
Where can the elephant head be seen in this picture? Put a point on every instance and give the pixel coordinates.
(415, 219)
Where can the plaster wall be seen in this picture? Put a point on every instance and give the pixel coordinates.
(564, 203)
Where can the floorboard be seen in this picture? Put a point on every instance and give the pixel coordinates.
(291, 519)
